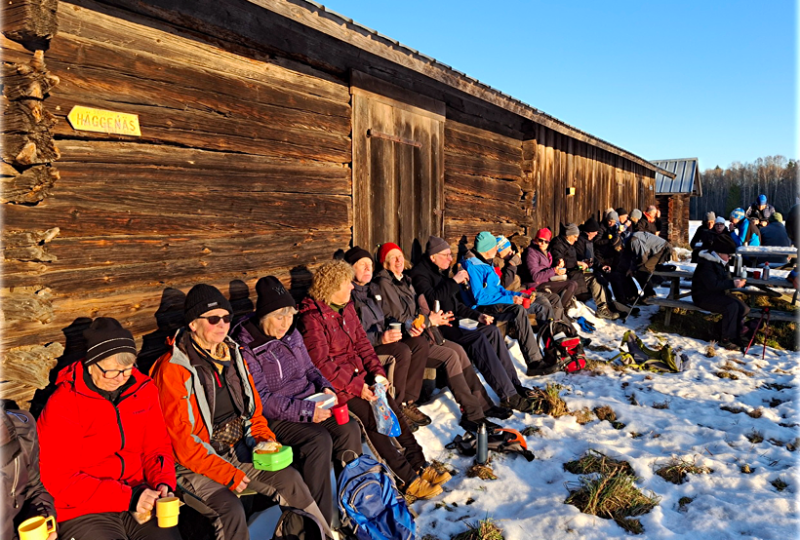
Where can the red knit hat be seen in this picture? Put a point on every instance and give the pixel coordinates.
(385, 249)
(544, 233)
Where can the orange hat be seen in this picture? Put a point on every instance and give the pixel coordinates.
(385, 249)
(544, 233)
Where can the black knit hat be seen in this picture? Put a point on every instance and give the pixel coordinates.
(723, 243)
(272, 296)
(355, 254)
(591, 225)
(435, 245)
(201, 299)
(621, 211)
(106, 337)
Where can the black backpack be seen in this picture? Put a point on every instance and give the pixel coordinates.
(561, 346)
(296, 524)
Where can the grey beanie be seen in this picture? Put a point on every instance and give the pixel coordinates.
(435, 245)
(572, 230)
(636, 214)
(612, 215)
(711, 216)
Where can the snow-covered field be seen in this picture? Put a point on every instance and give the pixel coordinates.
(666, 416)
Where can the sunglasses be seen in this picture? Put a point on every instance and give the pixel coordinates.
(213, 320)
(542, 241)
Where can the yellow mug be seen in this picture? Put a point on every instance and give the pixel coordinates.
(167, 511)
(37, 528)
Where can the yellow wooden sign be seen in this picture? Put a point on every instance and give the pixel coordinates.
(101, 121)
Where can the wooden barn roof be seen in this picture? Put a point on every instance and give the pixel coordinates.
(322, 19)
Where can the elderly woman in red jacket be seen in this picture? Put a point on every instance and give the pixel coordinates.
(105, 455)
(339, 347)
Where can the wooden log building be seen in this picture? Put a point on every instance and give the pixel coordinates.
(272, 132)
(677, 181)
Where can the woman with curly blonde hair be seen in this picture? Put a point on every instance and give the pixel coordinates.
(340, 349)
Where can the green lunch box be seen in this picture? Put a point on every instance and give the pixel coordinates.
(273, 462)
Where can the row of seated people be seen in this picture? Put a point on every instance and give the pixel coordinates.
(113, 440)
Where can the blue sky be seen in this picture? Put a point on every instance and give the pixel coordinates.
(662, 79)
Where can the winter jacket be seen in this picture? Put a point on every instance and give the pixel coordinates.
(537, 268)
(775, 234)
(642, 246)
(711, 278)
(97, 454)
(760, 215)
(701, 240)
(282, 372)
(339, 347)
(605, 253)
(484, 284)
(186, 386)
(584, 248)
(366, 301)
(398, 297)
(24, 495)
(509, 271)
(645, 225)
(746, 233)
(431, 282)
(561, 249)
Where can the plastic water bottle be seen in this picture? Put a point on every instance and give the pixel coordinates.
(483, 445)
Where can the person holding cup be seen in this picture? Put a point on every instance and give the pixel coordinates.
(214, 417)
(284, 377)
(339, 347)
(105, 454)
(26, 504)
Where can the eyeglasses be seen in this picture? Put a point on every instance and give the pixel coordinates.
(213, 320)
(542, 241)
(114, 373)
(447, 255)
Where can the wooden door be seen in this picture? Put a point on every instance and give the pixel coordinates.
(398, 166)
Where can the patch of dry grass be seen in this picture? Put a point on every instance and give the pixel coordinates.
(530, 430)
(597, 462)
(755, 436)
(675, 470)
(483, 530)
(730, 366)
(613, 496)
(746, 469)
(605, 413)
(661, 405)
(779, 484)
(583, 416)
(726, 375)
(683, 502)
(484, 472)
(548, 401)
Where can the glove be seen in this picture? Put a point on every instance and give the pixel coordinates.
(585, 325)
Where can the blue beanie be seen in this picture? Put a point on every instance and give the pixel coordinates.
(762, 199)
(502, 243)
(484, 242)
(738, 213)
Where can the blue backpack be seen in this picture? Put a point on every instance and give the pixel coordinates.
(369, 503)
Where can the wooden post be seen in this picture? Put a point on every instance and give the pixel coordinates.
(27, 177)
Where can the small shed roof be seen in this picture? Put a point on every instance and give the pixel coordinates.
(686, 180)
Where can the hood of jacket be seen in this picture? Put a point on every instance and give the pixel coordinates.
(712, 256)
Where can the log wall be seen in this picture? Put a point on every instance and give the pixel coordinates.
(675, 218)
(242, 170)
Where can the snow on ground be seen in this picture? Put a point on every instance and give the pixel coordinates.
(527, 500)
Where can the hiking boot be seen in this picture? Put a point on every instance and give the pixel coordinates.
(605, 313)
(518, 403)
(415, 415)
(540, 368)
(729, 345)
(434, 476)
(501, 413)
(525, 392)
(412, 427)
(422, 489)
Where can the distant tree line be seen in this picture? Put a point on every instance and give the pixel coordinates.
(740, 185)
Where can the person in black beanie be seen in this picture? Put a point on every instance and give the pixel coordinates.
(215, 419)
(105, 454)
(710, 285)
(285, 378)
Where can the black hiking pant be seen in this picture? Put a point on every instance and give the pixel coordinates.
(487, 349)
(314, 445)
(733, 312)
(114, 526)
(467, 389)
(517, 317)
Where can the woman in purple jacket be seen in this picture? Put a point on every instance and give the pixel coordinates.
(284, 377)
(537, 269)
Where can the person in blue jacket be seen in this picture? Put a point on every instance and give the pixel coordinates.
(744, 231)
(487, 295)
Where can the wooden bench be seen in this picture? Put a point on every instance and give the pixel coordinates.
(689, 306)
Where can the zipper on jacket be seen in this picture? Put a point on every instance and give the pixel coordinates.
(16, 481)
(216, 376)
(122, 465)
(280, 369)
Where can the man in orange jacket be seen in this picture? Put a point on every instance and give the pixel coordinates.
(214, 417)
